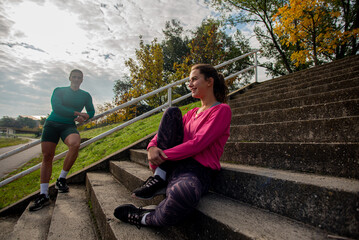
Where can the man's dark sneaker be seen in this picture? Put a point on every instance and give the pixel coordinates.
(128, 213)
(61, 185)
(153, 186)
(40, 202)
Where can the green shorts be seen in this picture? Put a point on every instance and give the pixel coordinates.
(53, 131)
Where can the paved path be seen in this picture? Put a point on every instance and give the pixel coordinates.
(13, 162)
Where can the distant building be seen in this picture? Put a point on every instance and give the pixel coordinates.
(7, 131)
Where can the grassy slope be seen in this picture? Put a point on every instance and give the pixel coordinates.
(28, 184)
(7, 142)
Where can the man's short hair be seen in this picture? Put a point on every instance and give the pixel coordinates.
(76, 70)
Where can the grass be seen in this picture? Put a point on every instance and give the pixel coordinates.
(7, 142)
(30, 183)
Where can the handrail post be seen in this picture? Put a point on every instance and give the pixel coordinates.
(256, 67)
(170, 97)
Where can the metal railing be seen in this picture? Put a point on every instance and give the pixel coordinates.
(134, 101)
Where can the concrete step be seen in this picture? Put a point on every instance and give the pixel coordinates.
(219, 213)
(33, 225)
(326, 202)
(334, 159)
(71, 218)
(319, 111)
(218, 217)
(345, 130)
(310, 198)
(333, 83)
(7, 225)
(327, 70)
(132, 176)
(139, 156)
(105, 195)
(300, 101)
(292, 92)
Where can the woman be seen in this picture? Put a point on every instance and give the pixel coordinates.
(184, 154)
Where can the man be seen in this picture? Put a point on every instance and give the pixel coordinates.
(67, 104)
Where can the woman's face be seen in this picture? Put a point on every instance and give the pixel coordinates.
(198, 84)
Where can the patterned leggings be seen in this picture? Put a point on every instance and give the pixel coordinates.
(187, 179)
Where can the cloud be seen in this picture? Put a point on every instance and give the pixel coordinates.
(43, 40)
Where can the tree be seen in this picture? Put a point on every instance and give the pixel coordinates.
(348, 21)
(146, 74)
(259, 12)
(210, 44)
(175, 46)
(311, 26)
(7, 122)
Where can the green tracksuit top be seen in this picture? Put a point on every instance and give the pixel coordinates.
(66, 101)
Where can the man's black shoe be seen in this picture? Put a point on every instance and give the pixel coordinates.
(153, 186)
(128, 213)
(40, 202)
(61, 185)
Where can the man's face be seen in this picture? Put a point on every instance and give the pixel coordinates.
(76, 78)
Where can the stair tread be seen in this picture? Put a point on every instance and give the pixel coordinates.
(351, 101)
(299, 121)
(110, 194)
(71, 217)
(33, 225)
(328, 182)
(253, 222)
(226, 211)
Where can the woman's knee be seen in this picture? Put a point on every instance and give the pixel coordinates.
(187, 192)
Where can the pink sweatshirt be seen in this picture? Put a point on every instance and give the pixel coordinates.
(204, 136)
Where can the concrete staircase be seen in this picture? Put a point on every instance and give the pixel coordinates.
(290, 170)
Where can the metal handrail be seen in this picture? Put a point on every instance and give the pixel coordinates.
(105, 134)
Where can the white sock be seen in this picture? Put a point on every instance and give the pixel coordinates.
(143, 220)
(160, 173)
(44, 189)
(63, 174)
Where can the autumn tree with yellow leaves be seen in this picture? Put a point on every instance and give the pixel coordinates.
(313, 28)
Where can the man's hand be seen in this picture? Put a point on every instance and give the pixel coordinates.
(154, 156)
(81, 117)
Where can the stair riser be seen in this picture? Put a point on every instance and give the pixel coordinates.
(321, 131)
(260, 91)
(307, 81)
(334, 96)
(97, 210)
(288, 93)
(131, 182)
(138, 158)
(314, 73)
(316, 206)
(339, 160)
(330, 110)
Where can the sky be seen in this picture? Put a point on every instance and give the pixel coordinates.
(41, 41)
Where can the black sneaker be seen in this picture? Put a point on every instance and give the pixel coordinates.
(61, 185)
(153, 186)
(40, 202)
(128, 213)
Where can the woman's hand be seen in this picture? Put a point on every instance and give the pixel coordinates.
(154, 156)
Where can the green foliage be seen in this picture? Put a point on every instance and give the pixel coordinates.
(260, 13)
(19, 122)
